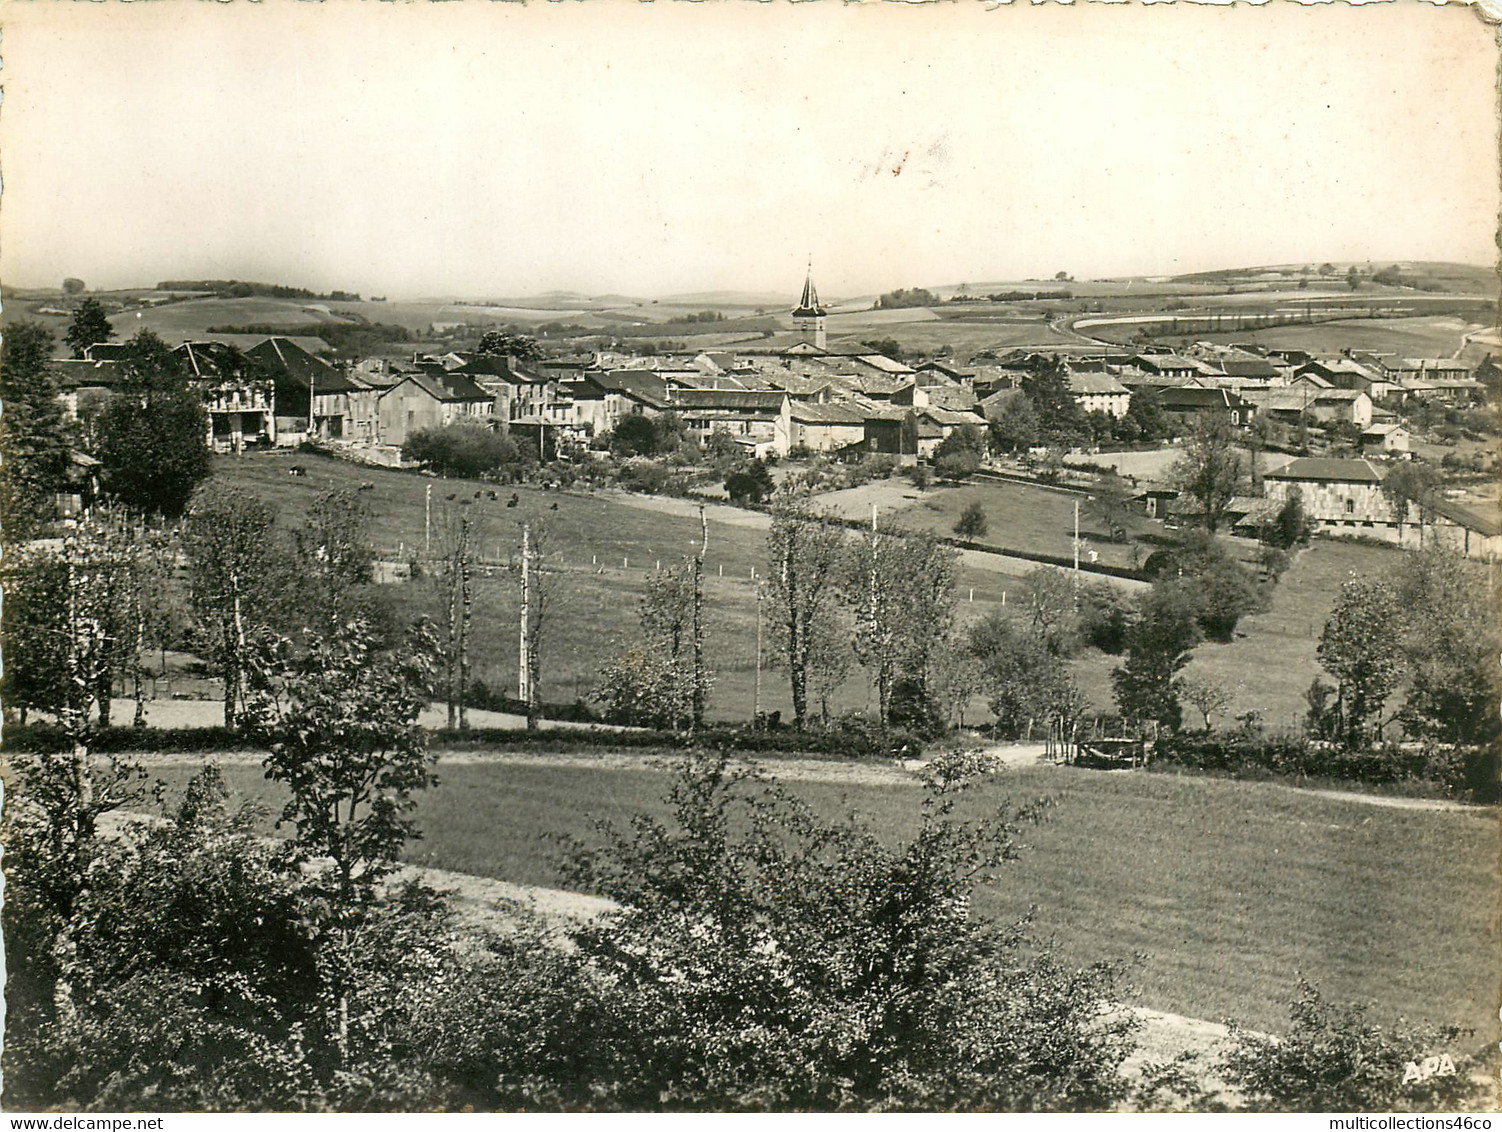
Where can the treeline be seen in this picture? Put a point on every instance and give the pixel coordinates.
(236, 289)
(907, 297)
(346, 337)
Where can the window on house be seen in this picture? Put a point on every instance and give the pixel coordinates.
(1350, 506)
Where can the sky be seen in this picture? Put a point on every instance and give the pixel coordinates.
(489, 149)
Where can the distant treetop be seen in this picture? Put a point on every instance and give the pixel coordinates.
(235, 289)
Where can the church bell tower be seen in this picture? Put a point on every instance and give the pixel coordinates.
(808, 315)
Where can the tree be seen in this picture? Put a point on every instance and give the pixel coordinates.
(1016, 427)
(1159, 643)
(803, 557)
(752, 483)
(672, 623)
(1028, 683)
(1411, 487)
(635, 435)
(1211, 471)
(1290, 527)
(762, 958)
(1450, 646)
(1205, 696)
(959, 454)
(645, 688)
(1049, 596)
(900, 589)
(153, 432)
(34, 434)
(32, 624)
(1047, 387)
(502, 342)
(464, 449)
(972, 521)
(90, 325)
(232, 579)
(1110, 504)
(889, 347)
(339, 720)
(72, 286)
(335, 554)
(1361, 647)
(1353, 278)
(1144, 410)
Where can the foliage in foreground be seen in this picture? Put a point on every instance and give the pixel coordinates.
(764, 959)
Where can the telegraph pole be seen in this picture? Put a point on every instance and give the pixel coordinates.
(756, 695)
(523, 666)
(698, 621)
(1076, 538)
(427, 523)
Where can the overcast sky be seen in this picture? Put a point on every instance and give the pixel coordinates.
(496, 149)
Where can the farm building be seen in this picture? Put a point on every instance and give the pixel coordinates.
(823, 427)
(1189, 402)
(749, 416)
(312, 395)
(1338, 495)
(240, 402)
(430, 399)
(1099, 393)
(603, 398)
(1384, 439)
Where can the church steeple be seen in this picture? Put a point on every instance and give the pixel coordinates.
(808, 315)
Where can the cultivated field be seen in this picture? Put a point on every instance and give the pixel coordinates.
(1229, 891)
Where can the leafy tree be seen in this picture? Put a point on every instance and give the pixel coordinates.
(900, 589)
(1029, 685)
(803, 557)
(645, 688)
(1110, 505)
(1211, 471)
(463, 449)
(972, 521)
(90, 325)
(1411, 488)
(1016, 427)
(752, 483)
(1144, 410)
(33, 625)
(503, 342)
(72, 286)
(959, 454)
(1361, 646)
(635, 435)
(1049, 596)
(889, 347)
(860, 979)
(153, 432)
(1353, 278)
(1159, 643)
(672, 628)
(34, 434)
(233, 582)
(335, 555)
(339, 720)
(1291, 526)
(1450, 647)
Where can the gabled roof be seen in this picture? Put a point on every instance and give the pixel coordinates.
(1190, 397)
(291, 363)
(737, 399)
(450, 387)
(1097, 383)
(809, 412)
(77, 373)
(498, 365)
(1485, 522)
(1325, 469)
(954, 397)
(950, 418)
(639, 385)
(1382, 429)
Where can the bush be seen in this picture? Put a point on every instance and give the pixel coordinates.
(766, 959)
(1466, 772)
(1334, 1060)
(1105, 615)
(972, 522)
(465, 450)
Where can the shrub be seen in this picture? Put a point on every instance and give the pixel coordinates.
(1334, 1060)
(463, 449)
(972, 522)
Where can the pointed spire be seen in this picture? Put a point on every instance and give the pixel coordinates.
(808, 305)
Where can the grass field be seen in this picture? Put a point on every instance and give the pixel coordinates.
(1268, 667)
(1229, 890)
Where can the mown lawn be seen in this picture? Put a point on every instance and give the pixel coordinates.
(1230, 891)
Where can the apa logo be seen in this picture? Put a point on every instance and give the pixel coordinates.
(1441, 1066)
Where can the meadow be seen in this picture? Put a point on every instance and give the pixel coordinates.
(1227, 891)
(604, 547)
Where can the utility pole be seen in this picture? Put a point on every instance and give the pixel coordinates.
(427, 523)
(756, 695)
(523, 665)
(466, 598)
(698, 622)
(1076, 539)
